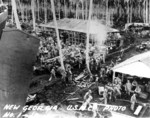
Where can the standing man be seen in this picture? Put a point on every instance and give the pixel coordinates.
(105, 95)
(87, 99)
(53, 74)
(128, 87)
(69, 73)
(133, 101)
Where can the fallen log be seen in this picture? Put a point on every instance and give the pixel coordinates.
(72, 99)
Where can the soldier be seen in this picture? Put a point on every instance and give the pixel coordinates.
(92, 64)
(133, 101)
(128, 87)
(87, 99)
(105, 95)
(53, 74)
(63, 74)
(96, 64)
(69, 73)
(42, 59)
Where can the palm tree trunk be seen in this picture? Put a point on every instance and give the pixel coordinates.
(131, 12)
(88, 35)
(1, 1)
(45, 9)
(38, 11)
(12, 16)
(146, 5)
(144, 17)
(21, 8)
(139, 10)
(65, 8)
(14, 9)
(59, 9)
(106, 12)
(149, 12)
(33, 13)
(57, 33)
(82, 9)
(128, 19)
(26, 13)
(76, 10)
(22, 12)
(86, 14)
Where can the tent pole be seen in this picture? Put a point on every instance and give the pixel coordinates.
(122, 77)
(113, 76)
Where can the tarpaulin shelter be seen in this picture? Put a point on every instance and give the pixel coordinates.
(138, 65)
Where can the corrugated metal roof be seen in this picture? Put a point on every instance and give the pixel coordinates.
(79, 25)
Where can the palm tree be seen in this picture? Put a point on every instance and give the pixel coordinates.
(86, 9)
(88, 34)
(14, 11)
(33, 13)
(57, 34)
(45, 10)
(21, 9)
(106, 12)
(65, 8)
(12, 16)
(38, 6)
(1, 1)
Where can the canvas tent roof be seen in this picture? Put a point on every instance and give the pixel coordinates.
(138, 65)
(78, 25)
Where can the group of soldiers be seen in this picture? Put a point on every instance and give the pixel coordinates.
(75, 55)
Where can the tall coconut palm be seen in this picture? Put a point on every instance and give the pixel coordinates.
(77, 9)
(65, 8)
(128, 11)
(146, 2)
(144, 10)
(88, 34)
(86, 9)
(106, 12)
(149, 12)
(45, 10)
(38, 9)
(33, 13)
(21, 9)
(131, 2)
(1, 1)
(82, 9)
(12, 16)
(57, 34)
(14, 9)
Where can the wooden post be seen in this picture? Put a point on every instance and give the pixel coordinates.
(122, 77)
